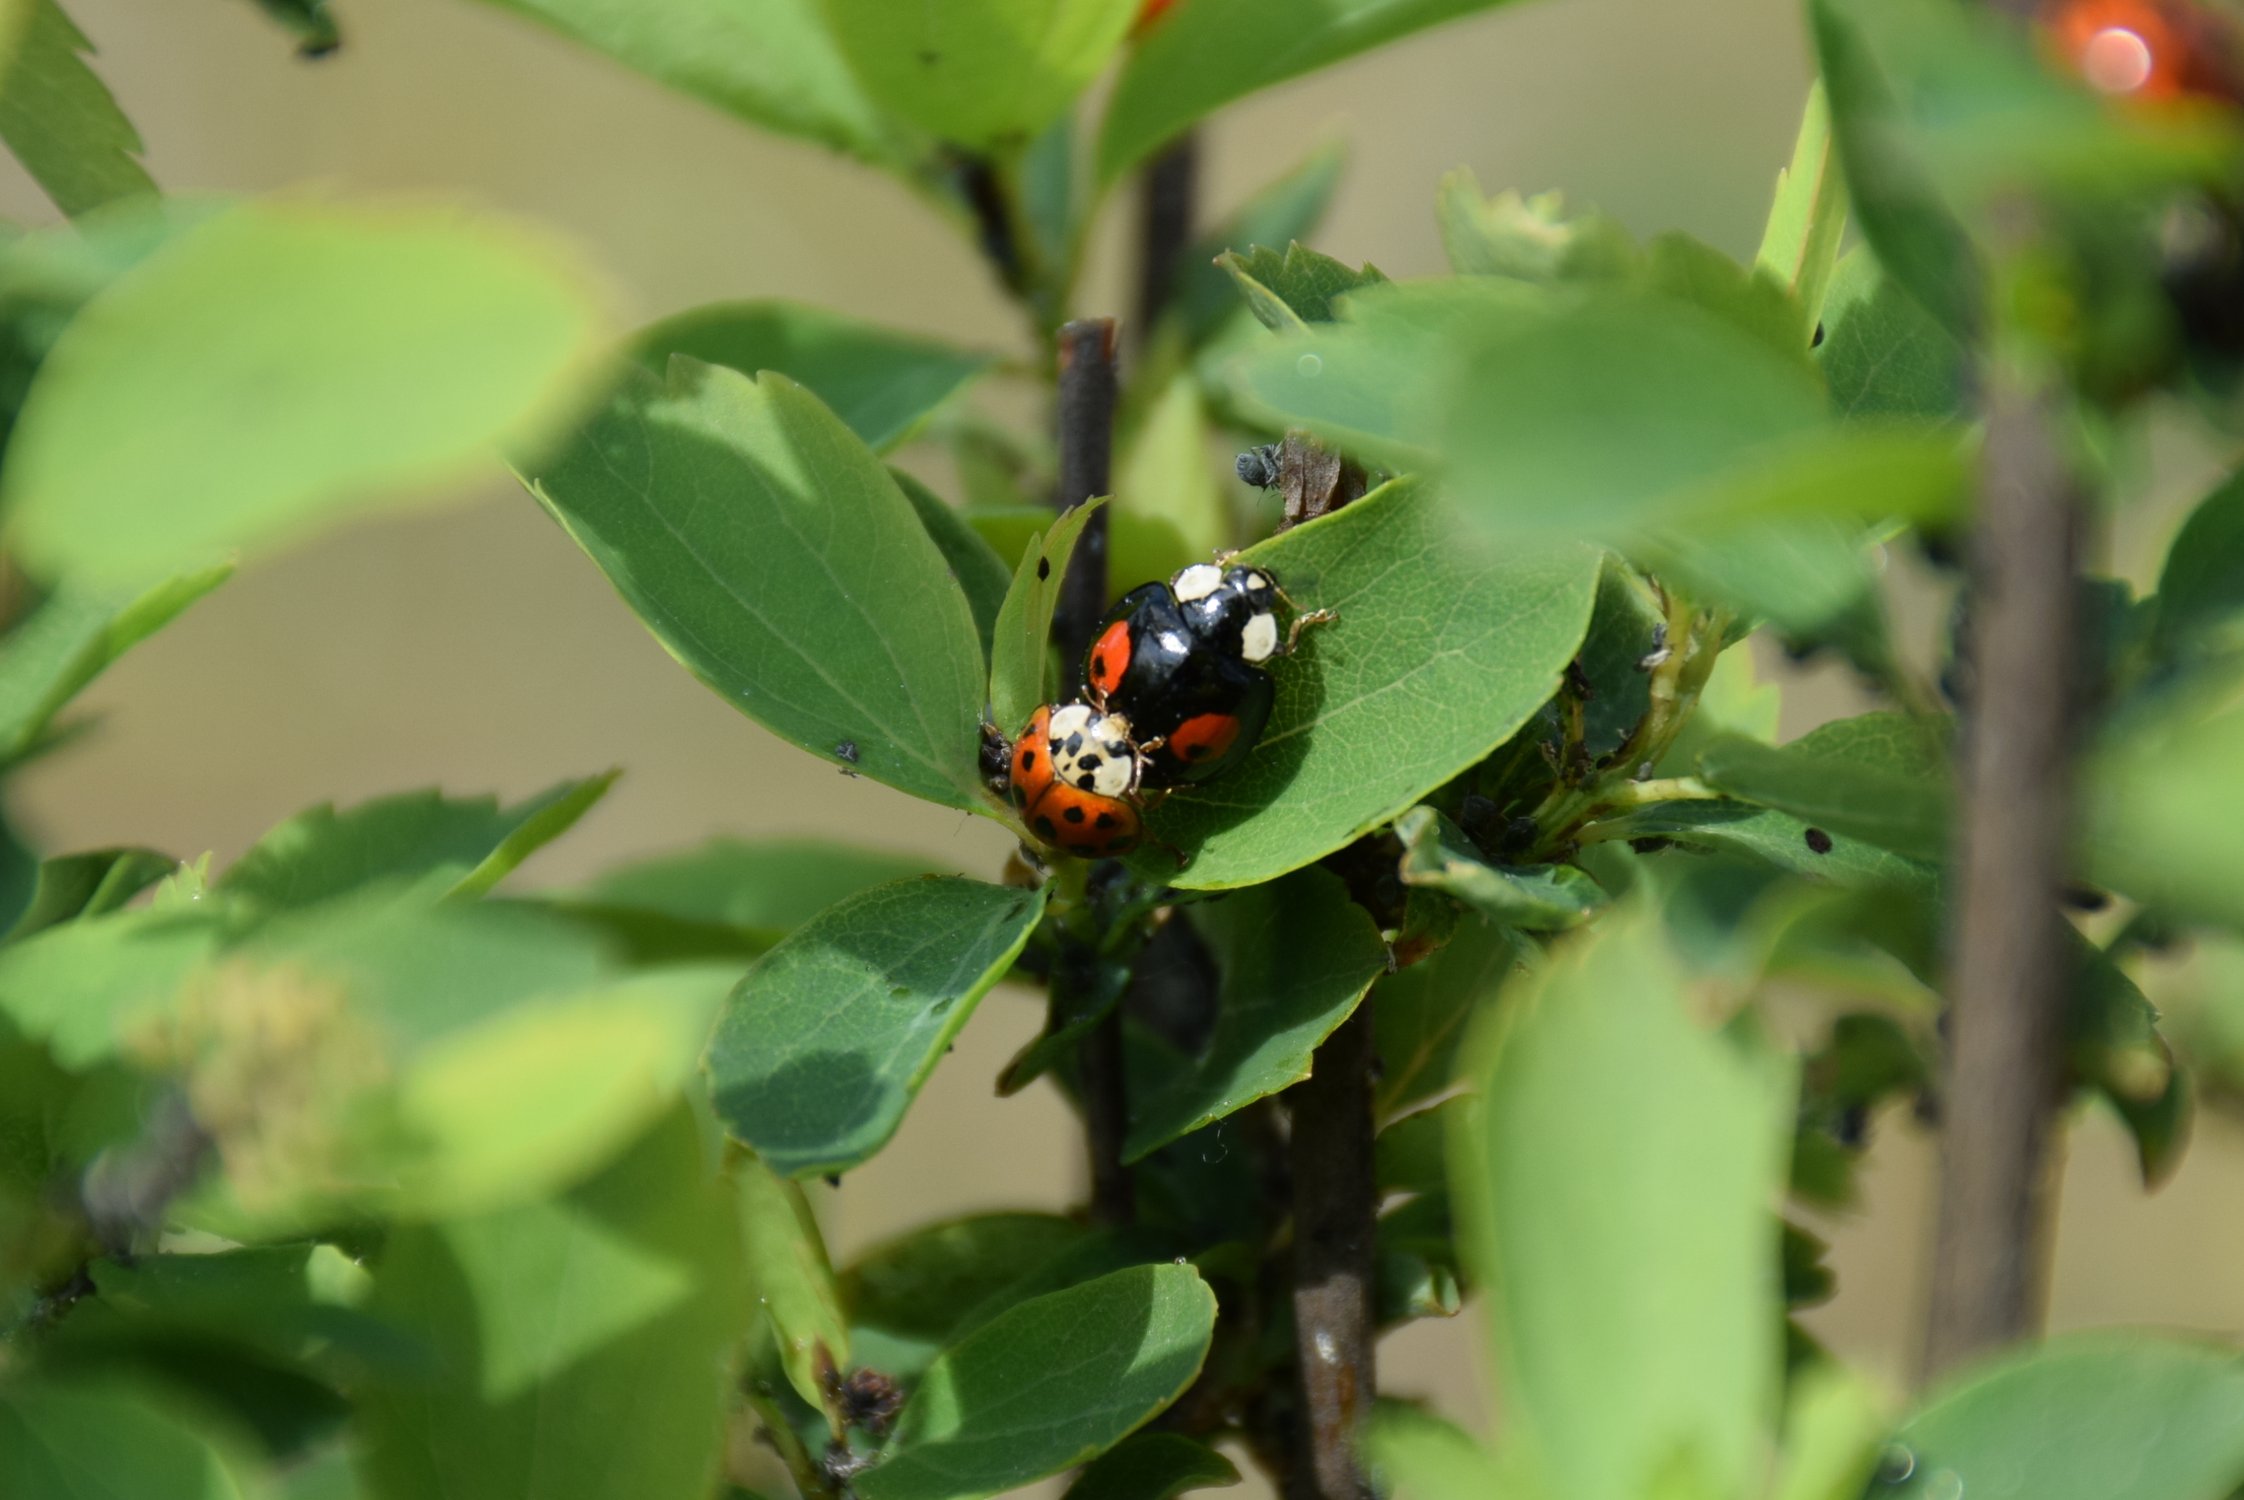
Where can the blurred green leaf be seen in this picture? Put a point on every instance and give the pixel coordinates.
(1782, 840)
(91, 884)
(81, 986)
(1199, 57)
(1021, 656)
(545, 1321)
(881, 383)
(58, 117)
(1621, 1360)
(824, 1043)
(1166, 483)
(1529, 239)
(770, 552)
(1801, 241)
(1292, 288)
(982, 74)
(2096, 1416)
(1879, 777)
(1439, 653)
(1294, 957)
(309, 21)
(1535, 898)
(1047, 1385)
(786, 1264)
(71, 1440)
(1426, 1457)
(982, 575)
(72, 639)
(1834, 1430)
(746, 894)
(444, 847)
(367, 354)
(771, 62)
(2201, 588)
(1748, 298)
(1420, 1015)
(1289, 209)
(1882, 354)
(1153, 1466)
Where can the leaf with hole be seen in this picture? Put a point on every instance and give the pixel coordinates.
(1022, 666)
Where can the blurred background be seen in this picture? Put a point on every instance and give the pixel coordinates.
(472, 647)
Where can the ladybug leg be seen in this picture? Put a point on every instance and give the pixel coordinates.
(1302, 622)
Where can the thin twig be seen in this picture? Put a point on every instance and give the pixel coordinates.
(1086, 419)
(2009, 970)
(1168, 198)
(1335, 1227)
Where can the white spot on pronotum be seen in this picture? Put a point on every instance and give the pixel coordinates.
(1311, 365)
(2116, 60)
(1259, 641)
(1197, 582)
(1173, 641)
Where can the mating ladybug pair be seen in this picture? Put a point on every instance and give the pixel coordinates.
(1175, 691)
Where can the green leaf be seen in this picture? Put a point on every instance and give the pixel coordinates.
(771, 62)
(2098, 1416)
(981, 74)
(1833, 1432)
(1439, 653)
(1289, 209)
(1529, 239)
(786, 1264)
(79, 1441)
(445, 847)
(1420, 1015)
(1879, 777)
(72, 639)
(309, 22)
(827, 1039)
(1022, 675)
(1294, 958)
(1412, 1154)
(80, 987)
(1426, 1457)
(1199, 57)
(2159, 817)
(925, 1284)
(880, 382)
(61, 121)
(754, 892)
(769, 551)
(1882, 354)
(1784, 841)
(1290, 289)
(1047, 1385)
(2201, 588)
(1801, 242)
(1153, 1466)
(981, 574)
(546, 1321)
(1620, 1363)
(1537, 898)
(367, 354)
(92, 884)
(297, 1305)
(1167, 486)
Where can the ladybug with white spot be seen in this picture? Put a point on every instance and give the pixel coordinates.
(1074, 775)
(1183, 662)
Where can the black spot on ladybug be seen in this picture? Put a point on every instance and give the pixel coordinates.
(1195, 752)
(1028, 760)
(1043, 569)
(1044, 827)
(1073, 815)
(1819, 841)
(847, 750)
(1098, 664)
(1105, 820)
(1090, 763)
(1074, 745)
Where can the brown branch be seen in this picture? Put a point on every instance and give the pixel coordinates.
(2009, 969)
(1335, 1227)
(1168, 198)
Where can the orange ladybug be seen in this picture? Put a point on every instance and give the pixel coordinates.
(1074, 775)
